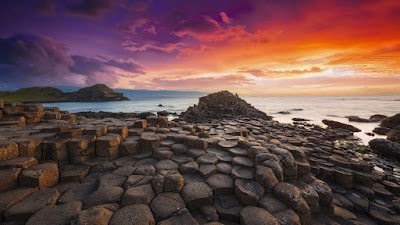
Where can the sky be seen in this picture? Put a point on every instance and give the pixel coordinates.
(251, 47)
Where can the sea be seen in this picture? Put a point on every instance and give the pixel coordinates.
(313, 108)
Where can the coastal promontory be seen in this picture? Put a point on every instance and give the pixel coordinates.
(95, 93)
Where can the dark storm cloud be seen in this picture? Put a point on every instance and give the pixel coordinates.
(32, 59)
(90, 7)
(27, 60)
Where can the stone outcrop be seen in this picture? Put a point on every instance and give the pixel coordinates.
(221, 105)
(335, 124)
(385, 148)
(95, 93)
(391, 122)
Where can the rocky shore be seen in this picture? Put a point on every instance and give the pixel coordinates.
(211, 166)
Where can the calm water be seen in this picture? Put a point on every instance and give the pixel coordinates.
(313, 108)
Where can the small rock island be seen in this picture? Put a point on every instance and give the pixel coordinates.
(95, 93)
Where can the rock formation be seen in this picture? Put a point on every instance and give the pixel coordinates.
(151, 170)
(221, 105)
(335, 124)
(95, 93)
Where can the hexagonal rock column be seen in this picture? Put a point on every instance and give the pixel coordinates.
(249, 192)
(122, 131)
(251, 215)
(133, 214)
(108, 146)
(129, 147)
(196, 195)
(291, 196)
(30, 147)
(149, 142)
(81, 149)
(56, 149)
(41, 176)
(8, 150)
(9, 178)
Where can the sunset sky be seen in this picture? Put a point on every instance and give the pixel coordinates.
(255, 47)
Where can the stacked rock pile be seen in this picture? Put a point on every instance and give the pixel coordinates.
(16, 114)
(234, 171)
(221, 105)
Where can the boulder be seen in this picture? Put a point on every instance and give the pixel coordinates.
(181, 218)
(394, 135)
(335, 124)
(385, 148)
(391, 122)
(377, 118)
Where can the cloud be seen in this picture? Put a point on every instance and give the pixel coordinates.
(225, 18)
(91, 8)
(193, 27)
(27, 60)
(150, 45)
(280, 73)
(208, 83)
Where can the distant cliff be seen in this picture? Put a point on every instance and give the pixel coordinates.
(95, 93)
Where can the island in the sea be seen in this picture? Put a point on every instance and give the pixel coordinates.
(95, 93)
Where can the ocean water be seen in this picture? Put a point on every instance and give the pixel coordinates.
(315, 108)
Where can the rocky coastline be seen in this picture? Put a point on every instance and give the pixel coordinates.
(220, 162)
(94, 93)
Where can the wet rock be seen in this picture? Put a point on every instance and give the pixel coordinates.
(56, 215)
(197, 194)
(248, 192)
(381, 130)
(251, 215)
(360, 202)
(391, 122)
(394, 135)
(335, 124)
(385, 148)
(137, 214)
(377, 118)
